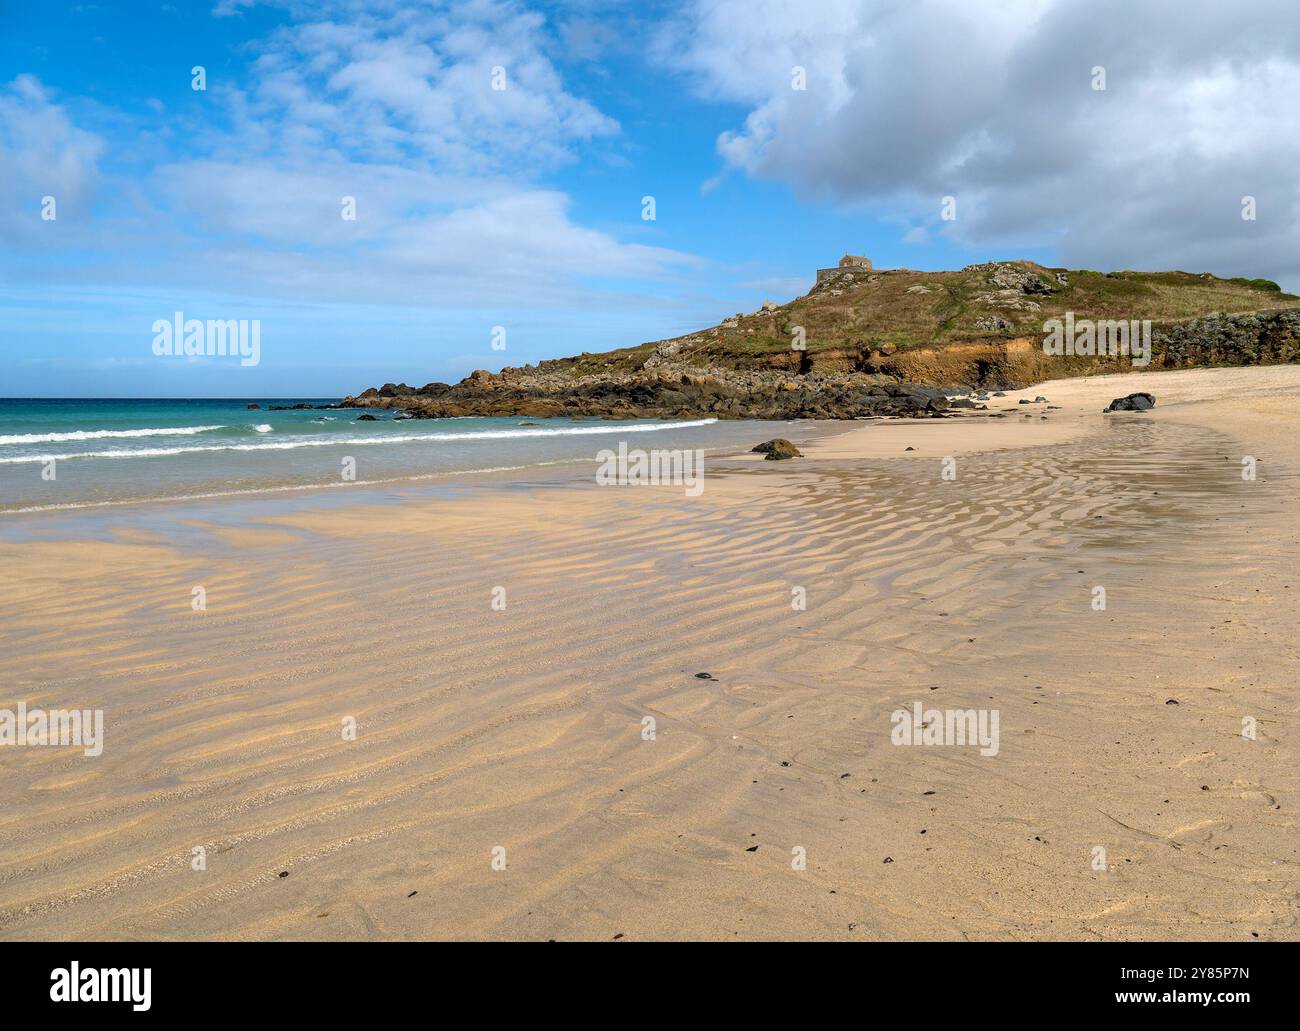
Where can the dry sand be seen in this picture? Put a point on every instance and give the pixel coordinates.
(522, 729)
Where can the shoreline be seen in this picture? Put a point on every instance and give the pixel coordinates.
(562, 471)
(976, 434)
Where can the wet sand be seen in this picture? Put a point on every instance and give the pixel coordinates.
(480, 729)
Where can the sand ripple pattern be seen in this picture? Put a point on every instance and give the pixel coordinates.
(522, 728)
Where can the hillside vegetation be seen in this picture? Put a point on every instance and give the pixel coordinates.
(891, 311)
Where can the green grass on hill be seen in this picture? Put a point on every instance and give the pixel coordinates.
(906, 309)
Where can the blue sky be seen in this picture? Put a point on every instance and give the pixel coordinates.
(522, 207)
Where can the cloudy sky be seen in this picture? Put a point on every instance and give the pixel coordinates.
(772, 136)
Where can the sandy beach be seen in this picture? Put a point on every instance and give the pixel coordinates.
(503, 782)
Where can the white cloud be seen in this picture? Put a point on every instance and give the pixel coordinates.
(393, 106)
(418, 238)
(42, 154)
(418, 84)
(993, 103)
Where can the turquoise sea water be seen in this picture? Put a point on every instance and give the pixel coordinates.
(116, 451)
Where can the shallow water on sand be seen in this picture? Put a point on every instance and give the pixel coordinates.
(59, 454)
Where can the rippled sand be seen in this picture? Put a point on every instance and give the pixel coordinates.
(522, 729)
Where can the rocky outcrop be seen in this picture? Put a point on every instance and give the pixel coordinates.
(882, 342)
(690, 395)
(1258, 338)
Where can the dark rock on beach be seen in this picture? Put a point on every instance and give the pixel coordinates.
(1139, 402)
(366, 417)
(777, 449)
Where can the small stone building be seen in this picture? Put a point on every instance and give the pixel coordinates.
(849, 261)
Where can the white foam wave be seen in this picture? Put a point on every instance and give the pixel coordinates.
(350, 441)
(74, 435)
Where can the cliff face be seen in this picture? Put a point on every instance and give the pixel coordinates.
(864, 343)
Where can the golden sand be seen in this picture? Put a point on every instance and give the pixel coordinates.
(481, 729)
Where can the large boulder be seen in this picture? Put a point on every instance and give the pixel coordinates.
(777, 449)
(1139, 402)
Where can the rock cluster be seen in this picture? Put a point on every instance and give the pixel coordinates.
(1256, 338)
(751, 395)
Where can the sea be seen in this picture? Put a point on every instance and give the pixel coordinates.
(82, 452)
